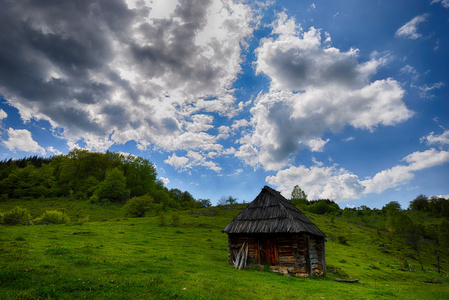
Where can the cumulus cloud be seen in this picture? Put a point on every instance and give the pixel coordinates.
(21, 140)
(314, 88)
(164, 180)
(54, 151)
(339, 184)
(318, 182)
(402, 174)
(410, 29)
(191, 160)
(106, 73)
(432, 139)
(3, 114)
(317, 145)
(179, 162)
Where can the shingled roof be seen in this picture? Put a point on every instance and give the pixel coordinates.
(270, 212)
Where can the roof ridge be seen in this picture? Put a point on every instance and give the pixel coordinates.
(261, 214)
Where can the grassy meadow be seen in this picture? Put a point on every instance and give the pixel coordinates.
(102, 255)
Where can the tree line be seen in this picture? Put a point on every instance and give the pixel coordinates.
(86, 175)
(425, 223)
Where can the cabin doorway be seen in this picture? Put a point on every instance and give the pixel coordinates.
(269, 253)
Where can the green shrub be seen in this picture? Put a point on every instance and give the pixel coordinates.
(161, 219)
(3, 197)
(53, 217)
(176, 220)
(94, 199)
(136, 207)
(342, 239)
(15, 216)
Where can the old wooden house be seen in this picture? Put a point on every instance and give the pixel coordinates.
(272, 231)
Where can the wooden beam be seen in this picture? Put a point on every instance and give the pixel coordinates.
(346, 280)
(324, 257)
(309, 266)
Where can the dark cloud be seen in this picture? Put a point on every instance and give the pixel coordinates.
(291, 67)
(68, 116)
(173, 49)
(170, 124)
(299, 69)
(52, 47)
(116, 116)
(97, 67)
(285, 129)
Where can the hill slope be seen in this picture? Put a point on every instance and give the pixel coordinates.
(117, 258)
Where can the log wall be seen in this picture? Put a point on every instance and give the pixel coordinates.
(299, 254)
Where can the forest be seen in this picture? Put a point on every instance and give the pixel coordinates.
(85, 175)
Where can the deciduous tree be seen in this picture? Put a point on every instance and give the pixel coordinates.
(299, 197)
(113, 188)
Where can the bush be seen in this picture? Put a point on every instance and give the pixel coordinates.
(15, 216)
(342, 239)
(175, 219)
(321, 207)
(161, 219)
(3, 197)
(53, 217)
(136, 207)
(94, 199)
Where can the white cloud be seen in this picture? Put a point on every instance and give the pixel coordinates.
(317, 145)
(410, 29)
(424, 91)
(387, 179)
(21, 140)
(164, 180)
(54, 151)
(3, 114)
(200, 122)
(191, 160)
(238, 124)
(444, 3)
(432, 139)
(402, 174)
(411, 71)
(332, 183)
(314, 88)
(426, 159)
(338, 184)
(179, 162)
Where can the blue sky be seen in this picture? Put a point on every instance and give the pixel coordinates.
(347, 99)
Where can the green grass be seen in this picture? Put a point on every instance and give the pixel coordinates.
(111, 257)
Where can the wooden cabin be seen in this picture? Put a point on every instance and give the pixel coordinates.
(272, 231)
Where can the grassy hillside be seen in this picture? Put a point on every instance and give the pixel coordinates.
(111, 257)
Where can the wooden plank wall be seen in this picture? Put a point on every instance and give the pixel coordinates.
(291, 252)
(236, 242)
